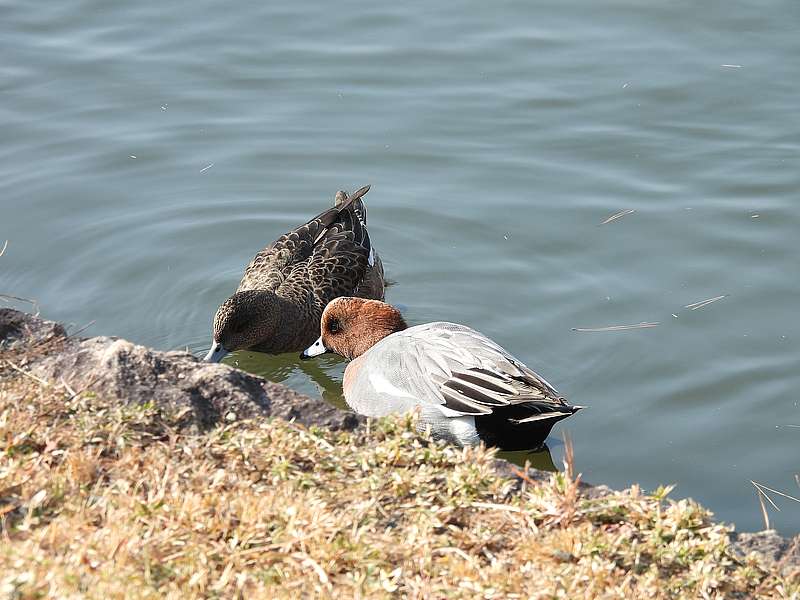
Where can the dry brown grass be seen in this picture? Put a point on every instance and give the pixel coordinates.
(104, 501)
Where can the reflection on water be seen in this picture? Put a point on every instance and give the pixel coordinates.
(540, 459)
(325, 372)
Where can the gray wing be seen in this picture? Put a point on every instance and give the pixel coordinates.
(458, 369)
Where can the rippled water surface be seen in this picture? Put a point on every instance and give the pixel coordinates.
(149, 149)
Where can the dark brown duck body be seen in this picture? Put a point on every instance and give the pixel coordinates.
(280, 299)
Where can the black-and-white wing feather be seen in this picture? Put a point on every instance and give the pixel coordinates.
(471, 375)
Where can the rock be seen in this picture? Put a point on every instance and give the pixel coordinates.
(771, 549)
(118, 369)
(19, 328)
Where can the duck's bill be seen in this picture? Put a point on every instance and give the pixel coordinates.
(216, 354)
(314, 349)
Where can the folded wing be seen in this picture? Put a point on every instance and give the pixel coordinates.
(466, 373)
(330, 251)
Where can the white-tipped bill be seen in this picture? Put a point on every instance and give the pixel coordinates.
(216, 354)
(314, 349)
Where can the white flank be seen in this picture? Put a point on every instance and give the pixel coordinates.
(383, 386)
(464, 430)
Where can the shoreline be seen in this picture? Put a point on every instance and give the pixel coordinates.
(205, 397)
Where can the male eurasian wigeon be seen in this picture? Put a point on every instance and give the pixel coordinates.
(285, 288)
(466, 387)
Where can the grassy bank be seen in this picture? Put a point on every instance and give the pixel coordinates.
(104, 501)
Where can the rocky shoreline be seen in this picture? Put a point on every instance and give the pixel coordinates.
(209, 394)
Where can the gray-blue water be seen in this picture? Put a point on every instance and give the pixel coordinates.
(149, 149)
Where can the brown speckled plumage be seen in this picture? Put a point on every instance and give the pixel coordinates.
(286, 286)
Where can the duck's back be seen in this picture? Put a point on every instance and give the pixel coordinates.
(447, 364)
(329, 256)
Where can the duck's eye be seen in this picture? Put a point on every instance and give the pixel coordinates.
(239, 327)
(334, 326)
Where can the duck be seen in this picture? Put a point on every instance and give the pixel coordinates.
(279, 302)
(466, 388)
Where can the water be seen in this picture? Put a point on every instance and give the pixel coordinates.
(149, 149)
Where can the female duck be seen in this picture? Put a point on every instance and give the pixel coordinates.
(467, 388)
(284, 289)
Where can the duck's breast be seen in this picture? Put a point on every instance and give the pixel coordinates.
(377, 384)
(374, 388)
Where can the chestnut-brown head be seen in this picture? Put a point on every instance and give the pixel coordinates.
(351, 326)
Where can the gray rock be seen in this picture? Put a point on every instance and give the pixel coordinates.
(771, 549)
(19, 329)
(120, 370)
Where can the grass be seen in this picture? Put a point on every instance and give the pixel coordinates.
(99, 500)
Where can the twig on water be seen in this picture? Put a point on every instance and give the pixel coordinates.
(702, 303)
(618, 215)
(3, 250)
(764, 512)
(33, 303)
(762, 486)
(643, 325)
(82, 329)
(762, 495)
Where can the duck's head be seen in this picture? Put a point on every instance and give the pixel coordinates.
(243, 320)
(351, 326)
